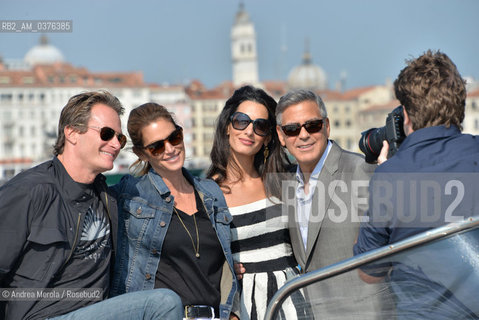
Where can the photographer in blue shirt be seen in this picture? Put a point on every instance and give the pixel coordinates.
(429, 182)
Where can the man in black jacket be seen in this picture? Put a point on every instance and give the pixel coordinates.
(59, 224)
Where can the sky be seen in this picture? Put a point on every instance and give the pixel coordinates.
(175, 41)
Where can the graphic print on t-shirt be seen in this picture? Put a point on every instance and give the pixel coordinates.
(94, 226)
(95, 236)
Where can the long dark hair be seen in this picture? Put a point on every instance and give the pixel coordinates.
(221, 155)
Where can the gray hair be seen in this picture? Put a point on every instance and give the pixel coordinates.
(296, 96)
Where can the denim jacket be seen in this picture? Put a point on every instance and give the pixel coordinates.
(145, 207)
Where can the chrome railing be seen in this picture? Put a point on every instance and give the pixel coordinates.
(362, 259)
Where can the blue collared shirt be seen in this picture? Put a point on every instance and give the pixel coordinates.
(439, 157)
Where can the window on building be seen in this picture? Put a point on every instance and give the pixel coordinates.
(207, 149)
(42, 97)
(350, 144)
(476, 124)
(20, 131)
(7, 97)
(28, 80)
(7, 115)
(20, 97)
(208, 136)
(474, 105)
(336, 123)
(115, 80)
(5, 80)
(209, 122)
(9, 173)
(209, 107)
(348, 123)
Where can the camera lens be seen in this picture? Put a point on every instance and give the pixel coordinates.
(371, 143)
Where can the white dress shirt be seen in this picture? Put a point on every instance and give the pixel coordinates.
(303, 200)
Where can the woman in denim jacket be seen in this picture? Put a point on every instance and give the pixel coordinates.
(174, 229)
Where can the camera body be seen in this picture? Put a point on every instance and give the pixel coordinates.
(371, 141)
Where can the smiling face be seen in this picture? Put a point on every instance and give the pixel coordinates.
(170, 160)
(246, 142)
(306, 147)
(94, 154)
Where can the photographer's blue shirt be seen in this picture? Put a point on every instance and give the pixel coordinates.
(416, 190)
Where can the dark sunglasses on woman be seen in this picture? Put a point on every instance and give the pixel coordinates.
(241, 121)
(158, 147)
(312, 126)
(107, 133)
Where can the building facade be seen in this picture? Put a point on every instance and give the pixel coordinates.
(34, 90)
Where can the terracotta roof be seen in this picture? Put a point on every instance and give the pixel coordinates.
(382, 107)
(330, 95)
(65, 75)
(15, 161)
(163, 87)
(356, 93)
(343, 96)
(275, 88)
(197, 91)
(474, 93)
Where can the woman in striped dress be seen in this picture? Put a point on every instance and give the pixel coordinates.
(246, 159)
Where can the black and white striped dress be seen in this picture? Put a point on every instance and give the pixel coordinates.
(261, 242)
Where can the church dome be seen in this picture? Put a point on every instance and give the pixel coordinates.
(307, 75)
(43, 53)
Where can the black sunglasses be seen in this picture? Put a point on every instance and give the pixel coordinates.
(158, 147)
(241, 121)
(312, 126)
(107, 133)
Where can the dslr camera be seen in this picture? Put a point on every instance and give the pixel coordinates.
(371, 141)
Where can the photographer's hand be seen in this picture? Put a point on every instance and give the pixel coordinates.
(383, 155)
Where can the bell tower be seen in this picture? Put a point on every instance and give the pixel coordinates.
(243, 50)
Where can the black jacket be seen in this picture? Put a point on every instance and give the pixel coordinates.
(41, 214)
